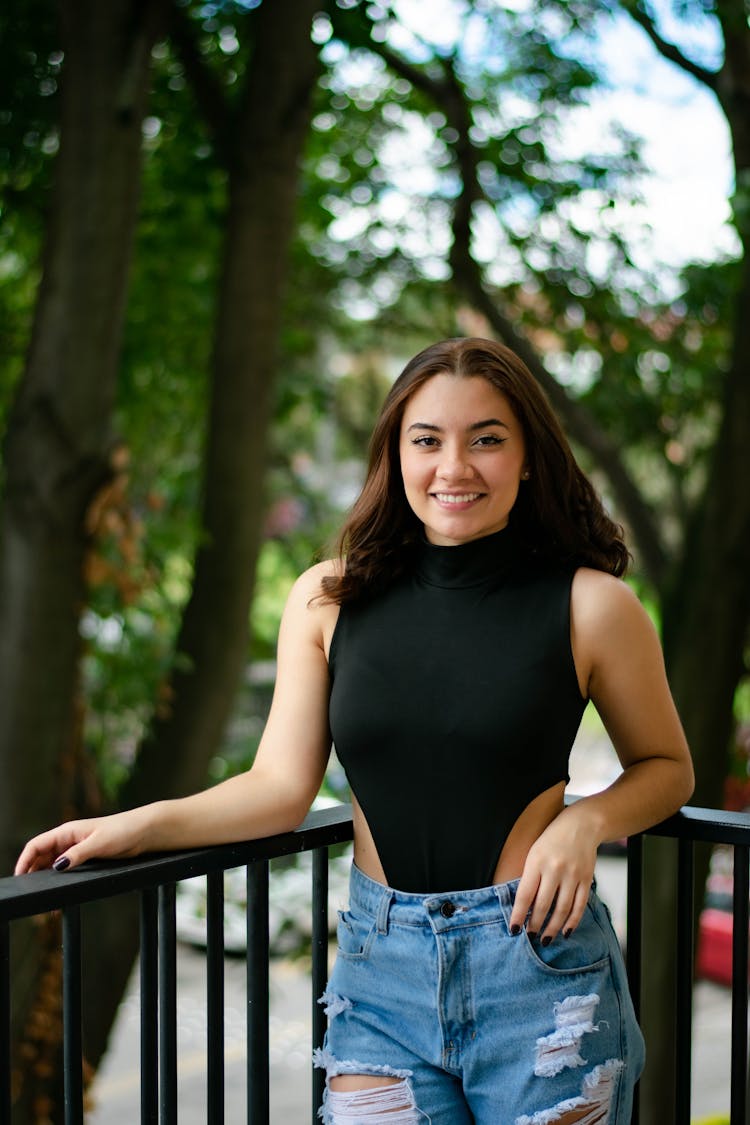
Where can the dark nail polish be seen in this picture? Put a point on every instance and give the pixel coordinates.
(546, 940)
(531, 934)
(62, 863)
(567, 933)
(515, 929)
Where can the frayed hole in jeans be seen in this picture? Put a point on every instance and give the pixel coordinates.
(593, 1105)
(393, 1101)
(574, 1018)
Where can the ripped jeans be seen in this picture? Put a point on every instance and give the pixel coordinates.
(479, 1027)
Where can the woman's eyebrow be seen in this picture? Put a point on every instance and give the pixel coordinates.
(474, 425)
(488, 422)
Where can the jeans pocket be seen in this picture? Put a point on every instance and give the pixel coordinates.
(585, 951)
(354, 935)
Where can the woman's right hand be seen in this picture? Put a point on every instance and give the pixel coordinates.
(105, 837)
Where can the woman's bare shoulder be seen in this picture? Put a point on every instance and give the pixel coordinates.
(608, 622)
(309, 585)
(308, 609)
(606, 612)
(601, 597)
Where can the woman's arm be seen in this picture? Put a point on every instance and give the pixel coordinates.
(620, 666)
(273, 796)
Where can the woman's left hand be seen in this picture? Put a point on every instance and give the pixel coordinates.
(557, 877)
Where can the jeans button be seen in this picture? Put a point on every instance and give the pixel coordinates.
(447, 909)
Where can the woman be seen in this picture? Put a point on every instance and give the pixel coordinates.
(450, 652)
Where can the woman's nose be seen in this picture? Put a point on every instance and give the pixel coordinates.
(454, 465)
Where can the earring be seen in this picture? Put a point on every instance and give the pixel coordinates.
(525, 475)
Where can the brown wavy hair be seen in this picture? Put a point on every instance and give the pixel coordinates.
(558, 514)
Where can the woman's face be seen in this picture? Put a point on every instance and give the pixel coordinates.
(462, 455)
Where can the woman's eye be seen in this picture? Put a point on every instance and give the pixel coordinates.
(426, 439)
(489, 439)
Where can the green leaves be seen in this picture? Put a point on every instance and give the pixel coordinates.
(420, 131)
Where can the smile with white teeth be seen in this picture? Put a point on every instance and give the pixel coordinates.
(456, 498)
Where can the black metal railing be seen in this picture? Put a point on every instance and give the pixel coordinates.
(155, 880)
(689, 827)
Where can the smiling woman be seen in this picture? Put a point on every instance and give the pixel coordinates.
(462, 457)
(446, 391)
(450, 652)
(479, 609)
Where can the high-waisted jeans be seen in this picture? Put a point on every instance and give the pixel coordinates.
(477, 1025)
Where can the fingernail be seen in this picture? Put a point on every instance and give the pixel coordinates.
(515, 929)
(61, 863)
(531, 934)
(567, 933)
(546, 940)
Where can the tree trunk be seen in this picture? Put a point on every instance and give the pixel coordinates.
(706, 608)
(706, 616)
(58, 445)
(265, 154)
(59, 435)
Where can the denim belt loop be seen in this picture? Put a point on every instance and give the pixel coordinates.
(383, 908)
(505, 899)
(501, 893)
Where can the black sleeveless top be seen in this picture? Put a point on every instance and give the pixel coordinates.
(454, 703)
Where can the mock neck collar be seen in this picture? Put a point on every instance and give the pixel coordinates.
(468, 564)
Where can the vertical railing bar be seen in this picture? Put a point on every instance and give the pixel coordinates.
(167, 1006)
(738, 1095)
(72, 1031)
(319, 966)
(634, 943)
(5, 1017)
(684, 981)
(634, 940)
(149, 1009)
(215, 997)
(258, 1082)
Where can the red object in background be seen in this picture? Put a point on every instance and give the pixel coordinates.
(714, 960)
(737, 794)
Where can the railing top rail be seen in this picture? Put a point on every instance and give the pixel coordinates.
(42, 891)
(47, 890)
(712, 826)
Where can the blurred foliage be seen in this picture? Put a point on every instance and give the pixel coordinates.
(644, 350)
(369, 278)
(29, 78)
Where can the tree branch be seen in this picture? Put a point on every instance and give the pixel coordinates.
(579, 421)
(669, 51)
(206, 88)
(418, 78)
(734, 90)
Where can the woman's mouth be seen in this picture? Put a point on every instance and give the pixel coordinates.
(456, 498)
